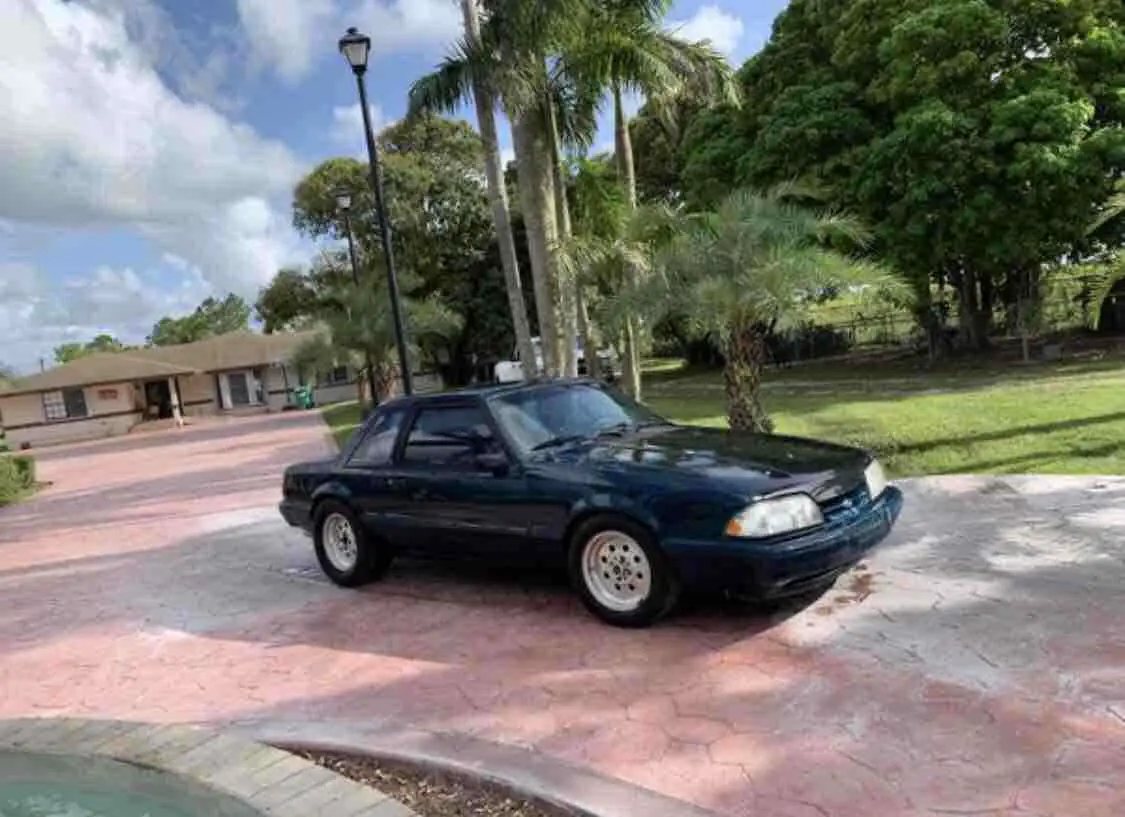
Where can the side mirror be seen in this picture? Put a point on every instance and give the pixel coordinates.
(495, 462)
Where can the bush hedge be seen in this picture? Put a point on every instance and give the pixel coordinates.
(17, 476)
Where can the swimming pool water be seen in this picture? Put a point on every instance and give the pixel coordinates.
(38, 785)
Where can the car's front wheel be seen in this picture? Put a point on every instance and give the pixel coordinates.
(620, 573)
(346, 552)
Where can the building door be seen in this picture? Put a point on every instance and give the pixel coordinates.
(158, 400)
(239, 389)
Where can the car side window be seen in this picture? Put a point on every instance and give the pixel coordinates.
(449, 437)
(378, 446)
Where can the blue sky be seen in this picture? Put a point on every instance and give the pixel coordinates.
(148, 148)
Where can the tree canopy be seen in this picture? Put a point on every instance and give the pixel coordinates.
(66, 352)
(978, 140)
(442, 232)
(212, 317)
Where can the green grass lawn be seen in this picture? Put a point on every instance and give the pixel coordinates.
(342, 419)
(1060, 418)
(1066, 418)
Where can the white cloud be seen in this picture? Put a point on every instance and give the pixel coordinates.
(92, 137)
(723, 29)
(347, 125)
(396, 26)
(287, 35)
(199, 64)
(37, 314)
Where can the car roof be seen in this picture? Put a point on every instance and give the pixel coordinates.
(486, 391)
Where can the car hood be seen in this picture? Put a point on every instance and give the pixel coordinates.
(744, 464)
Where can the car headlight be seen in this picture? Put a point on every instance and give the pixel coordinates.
(876, 479)
(771, 517)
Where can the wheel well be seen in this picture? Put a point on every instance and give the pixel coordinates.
(590, 513)
(314, 509)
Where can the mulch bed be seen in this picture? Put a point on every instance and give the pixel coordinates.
(429, 793)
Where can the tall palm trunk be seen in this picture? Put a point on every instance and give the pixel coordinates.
(567, 288)
(623, 149)
(384, 379)
(498, 198)
(745, 352)
(623, 152)
(537, 199)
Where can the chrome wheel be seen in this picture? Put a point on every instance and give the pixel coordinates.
(616, 571)
(340, 543)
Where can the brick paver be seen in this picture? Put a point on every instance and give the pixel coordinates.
(972, 665)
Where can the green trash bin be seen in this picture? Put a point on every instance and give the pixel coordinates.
(303, 397)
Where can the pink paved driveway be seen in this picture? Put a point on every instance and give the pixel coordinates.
(974, 665)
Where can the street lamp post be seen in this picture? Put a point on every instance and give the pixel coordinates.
(344, 207)
(355, 47)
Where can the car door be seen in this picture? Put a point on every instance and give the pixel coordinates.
(458, 508)
(374, 481)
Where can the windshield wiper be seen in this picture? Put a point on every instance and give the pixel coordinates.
(555, 442)
(616, 430)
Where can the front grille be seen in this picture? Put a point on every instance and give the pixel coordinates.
(846, 507)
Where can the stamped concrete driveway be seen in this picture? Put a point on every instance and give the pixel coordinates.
(974, 665)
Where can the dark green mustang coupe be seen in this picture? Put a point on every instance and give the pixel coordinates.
(639, 508)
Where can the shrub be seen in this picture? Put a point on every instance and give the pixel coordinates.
(17, 476)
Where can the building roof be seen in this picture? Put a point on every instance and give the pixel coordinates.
(237, 350)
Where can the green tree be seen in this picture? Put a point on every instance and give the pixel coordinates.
(286, 303)
(211, 318)
(356, 325)
(510, 59)
(485, 102)
(623, 46)
(67, 352)
(1113, 210)
(753, 264)
(977, 139)
(443, 229)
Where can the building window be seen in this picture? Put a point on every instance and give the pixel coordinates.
(335, 377)
(68, 404)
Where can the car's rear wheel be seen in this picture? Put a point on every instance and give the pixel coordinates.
(620, 573)
(347, 554)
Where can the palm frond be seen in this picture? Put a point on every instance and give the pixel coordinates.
(1114, 208)
(450, 84)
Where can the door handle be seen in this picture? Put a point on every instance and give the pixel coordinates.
(394, 483)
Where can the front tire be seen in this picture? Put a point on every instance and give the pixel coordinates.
(620, 573)
(347, 553)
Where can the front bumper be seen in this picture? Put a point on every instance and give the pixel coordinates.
(790, 566)
(296, 513)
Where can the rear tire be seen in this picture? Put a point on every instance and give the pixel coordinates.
(347, 553)
(620, 573)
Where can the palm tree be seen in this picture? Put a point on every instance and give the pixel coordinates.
(622, 46)
(485, 102)
(356, 327)
(1113, 209)
(508, 58)
(613, 247)
(752, 264)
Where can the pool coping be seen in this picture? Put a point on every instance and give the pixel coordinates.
(566, 787)
(268, 779)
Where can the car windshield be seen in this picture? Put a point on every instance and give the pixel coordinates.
(538, 417)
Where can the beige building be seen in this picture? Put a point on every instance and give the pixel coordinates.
(106, 394)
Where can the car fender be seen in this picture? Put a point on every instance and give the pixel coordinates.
(332, 489)
(599, 503)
